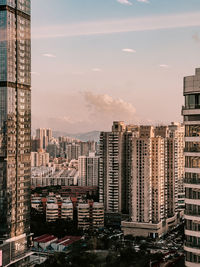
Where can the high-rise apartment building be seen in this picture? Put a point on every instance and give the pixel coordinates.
(157, 167)
(15, 129)
(176, 135)
(111, 168)
(40, 158)
(88, 168)
(87, 147)
(44, 136)
(73, 151)
(191, 113)
(147, 185)
(115, 167)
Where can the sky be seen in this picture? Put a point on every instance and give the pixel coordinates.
(96, 61)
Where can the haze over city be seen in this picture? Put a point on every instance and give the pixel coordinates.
(98, 61)
(99, 133)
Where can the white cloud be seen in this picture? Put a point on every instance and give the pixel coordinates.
(129, 50)
(118, 26)
(49, 55)
(105, 107)
(125, 2)
(96, 69)
(164, 66)
(143, 1)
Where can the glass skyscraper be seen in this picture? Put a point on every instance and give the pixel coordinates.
(15, 128)
(191, 113)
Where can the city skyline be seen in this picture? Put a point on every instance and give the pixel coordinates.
(100, 61)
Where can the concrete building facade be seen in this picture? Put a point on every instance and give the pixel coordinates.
(156, 172)
(115, 168)
(191, 114)
(88, 169)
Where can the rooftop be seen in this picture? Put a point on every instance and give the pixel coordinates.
(45, 238)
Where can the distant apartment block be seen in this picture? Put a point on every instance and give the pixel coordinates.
(141, 174)
(90, 215)
(48, 176)
(40, 158)
(88, 169)
(43, 136)
(73, 151)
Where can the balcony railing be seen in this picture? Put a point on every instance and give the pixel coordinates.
(191, 181)
(192, 149)
(191, 106)
(192, 245)
(192, 213)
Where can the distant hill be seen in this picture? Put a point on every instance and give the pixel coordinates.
(90, 136)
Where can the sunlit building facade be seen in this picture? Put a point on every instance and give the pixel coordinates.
(15, 128)
(191, 113)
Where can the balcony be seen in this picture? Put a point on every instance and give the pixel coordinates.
(192, 213)
(192, 245)
(192, 149)
(191, 181)
(191, 106)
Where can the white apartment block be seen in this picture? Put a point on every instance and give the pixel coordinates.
(73, 151)
(67, 210)
(39, 159)
(147, 187)
(44, 136)
(88, 169)
(157, 170)
(90, 215)
(83, 210)
(98, 215)
(51, 212)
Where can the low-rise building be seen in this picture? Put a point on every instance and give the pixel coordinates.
(51, 212)
(90, 215)
(43, 241)
(67, 210)
(98, 215)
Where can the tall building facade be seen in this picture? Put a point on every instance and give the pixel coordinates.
(156, 168)
(191, 113)
(73, 151)
(15, 128)
(44, 136)
(111, 168)
(147, 185)
(115, 153)
(40, 158)
(88, 168)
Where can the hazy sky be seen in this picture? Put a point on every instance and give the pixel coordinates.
(95, 61)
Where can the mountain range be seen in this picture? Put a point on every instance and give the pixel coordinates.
(89, 136)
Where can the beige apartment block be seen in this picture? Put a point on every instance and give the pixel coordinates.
(147, 186)
(157, 171)
(115, 167)
(88, 169)
(40, 158)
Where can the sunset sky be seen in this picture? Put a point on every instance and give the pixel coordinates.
(95, 61)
